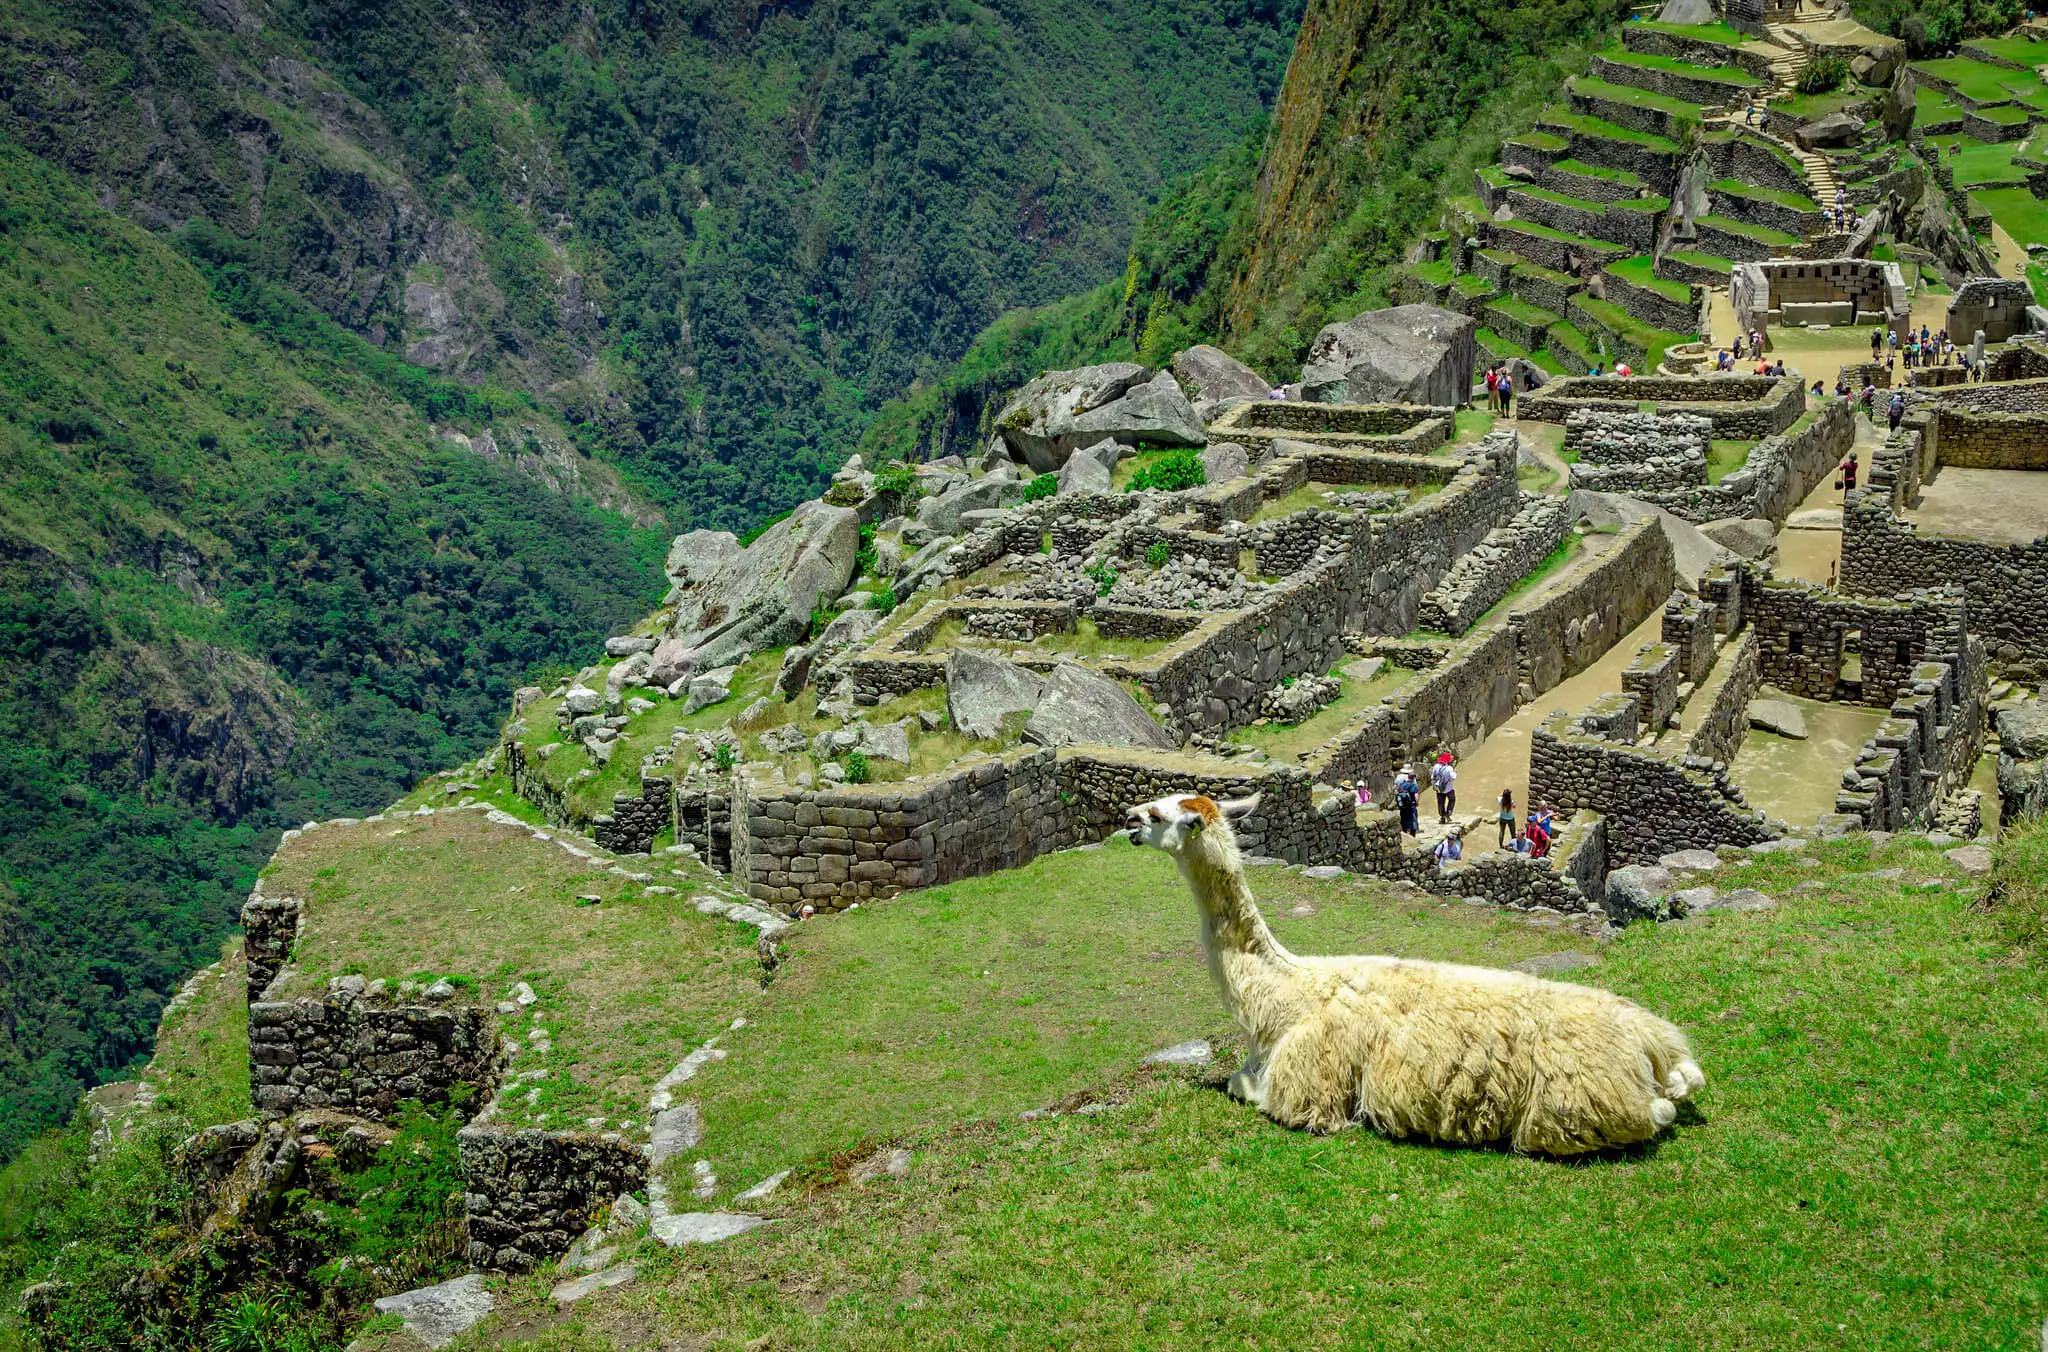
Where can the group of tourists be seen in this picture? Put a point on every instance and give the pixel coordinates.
(1500, 390)
(1843, 218)
(1919, 349)
(1532, 837)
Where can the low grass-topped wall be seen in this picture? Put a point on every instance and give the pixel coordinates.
(1745, 408)
(1697, 45)
(1649, 299)
(1288, 416)
(1639, 110)
(1676, 79)
(1777, 474)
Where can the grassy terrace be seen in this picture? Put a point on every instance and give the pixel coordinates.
(1729, 75)
(1977, 81)
(1724, 34)
(1314, 496)
(1601, 171)
(1566, 199)
(1594, 247)
(1737, 188)
(1701, 260)
(2007, 115)
(1540, 140)
(2023, 215)
(1866, 1166)
(1931, 105)
(1290, 741)
(1763, 234)
(1640, 272)
(2025, 51)
(1640, 98)
(1630, 331)
(1534, 316)
(1601, 129)
(626, 985)
(1974, 163)
(1809, 106)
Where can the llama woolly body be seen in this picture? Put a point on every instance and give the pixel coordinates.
(1462, 1054)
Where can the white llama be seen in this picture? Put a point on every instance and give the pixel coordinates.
(1462, 1054)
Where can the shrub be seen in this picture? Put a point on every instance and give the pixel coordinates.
(1158, 554)
(846, 494)
(822, 614)
(2018, 896)
(856, 767)
(1170, 473)
(1044, 486)
(864, 557)
(724, 755)
(898, 479)
(883, 600)
(1104, 574)
(1822, 74)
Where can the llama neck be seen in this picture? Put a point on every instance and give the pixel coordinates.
(1231, 923)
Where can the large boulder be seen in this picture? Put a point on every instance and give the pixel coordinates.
(1085, 472)
(942, 514)
(731, 601)
(1411, 354)
(1642, 892)
(1225, 460)
(1687, 12)
(1779, 716)
(1214, 380)
(1749, 536)
(1836, 129)
(1079, 705)
(1061, 411)
(1692, 553)
(982, 690)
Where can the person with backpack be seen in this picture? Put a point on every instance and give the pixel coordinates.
(1444, 779)
(1897, 411)
(1408, 800)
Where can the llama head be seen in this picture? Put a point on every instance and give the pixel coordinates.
(1178, 822)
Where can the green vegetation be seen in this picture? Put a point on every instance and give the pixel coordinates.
(1822, 74)
(1725, 456)
(1732, 75)
(1735, 188)
(2023, 215)
(1677, 110)
(1976, 164)
(1584, 170)
(1724, 34)
(1640, 272)
(244, 583)
(1976, 81)
(1763, 234)
(1169, 473)
(1044, 486)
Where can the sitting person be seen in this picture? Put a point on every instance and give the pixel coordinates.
(1521, 844)
(1448, 849)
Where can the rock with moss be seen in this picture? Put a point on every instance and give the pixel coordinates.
(1055, 415)
(1410, 354)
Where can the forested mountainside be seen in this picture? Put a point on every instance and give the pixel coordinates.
(713, 237)
(358, 360)
(242, 581)
(1387, 107)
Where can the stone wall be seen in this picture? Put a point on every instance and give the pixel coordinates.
(529, 1194)
(1746, 408)
(354, 1052)
(1637, 453)
(1674, 84)
(1836, 291)
(1688, 627)
(636, 819)
(1995, 305)
(2007, 585)
(1696, 52)
(270, 927)
(1725, 697)
(1654, 803)
(1652, 677)
(1970, 439)
(1777, 475)
(1507, 554)
(1560, 633)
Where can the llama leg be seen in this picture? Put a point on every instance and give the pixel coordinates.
(1248, 1085)
(1303, 1087)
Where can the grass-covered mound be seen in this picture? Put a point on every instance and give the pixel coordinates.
(1868, 1161)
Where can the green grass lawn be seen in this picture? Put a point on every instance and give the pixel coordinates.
(1729, 75)
(1724, 34)
(1724, 457)
(1734, 188)
(1470, 424)
(1641, 272)
(2024, 216)
(2026, 51)
(1600, 171)
(1315, 496)
(1761, 233)
(1867, 1166)
(1601, 129)
(1976, 163)
(1931, 105)
(1977, 81)
(1640, 98)
(1807, 107)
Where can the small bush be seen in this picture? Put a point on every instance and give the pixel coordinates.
(1823, 74)
(724, 755)
(856, 767)
(2019, 887)
(1044, 486)
(1158, 554)
(846, 494)
(864, 557)
(1170, 473)
(822, 614)
(883, 600)
(898, 479)
(1104, 574)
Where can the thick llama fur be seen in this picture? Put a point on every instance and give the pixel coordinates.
(1462, 1054)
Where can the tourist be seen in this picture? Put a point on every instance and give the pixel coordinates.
(1506, 816)
(1622, 370)
(1820, 391)
(1521, 844)
(1870, 401)
(1408, 800)
(1898, 408)
(1738, 347)
(1848, 468)
(1362, 794)
(1447, 850)
(1924, 335)
(1876, 341)
(1891, 365)
(1492, 389)
(1444, 779)
(1756, 342)
(1596, 369)
(1841, 386)
(1540, 831)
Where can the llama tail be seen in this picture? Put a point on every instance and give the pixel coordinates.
(1677, 1074)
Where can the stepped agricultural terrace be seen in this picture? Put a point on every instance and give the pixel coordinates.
(1646, 603)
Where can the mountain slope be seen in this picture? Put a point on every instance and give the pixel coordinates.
(242, 580)
(713, 239)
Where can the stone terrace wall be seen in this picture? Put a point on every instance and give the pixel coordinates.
(1777, 476)
(270, 926)
(356, 1055)
(1747, 408)
(1562, 632)
(1726, 696)
(1969, 439)
(1503, 558)
(1654, 804)
(529, 1194)
(2007, 585)
(1801, 633)
(2004, 395)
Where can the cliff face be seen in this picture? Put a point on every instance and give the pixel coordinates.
(1345, 72)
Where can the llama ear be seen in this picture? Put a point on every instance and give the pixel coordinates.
(1237, 809)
